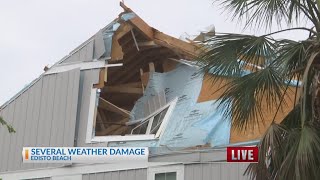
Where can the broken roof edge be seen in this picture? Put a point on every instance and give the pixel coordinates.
(160, 38)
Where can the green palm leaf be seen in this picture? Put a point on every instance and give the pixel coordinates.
(243, 99)
(9, 127)
(226, 51)
(262, 12)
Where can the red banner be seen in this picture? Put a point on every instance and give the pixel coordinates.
(242, 154)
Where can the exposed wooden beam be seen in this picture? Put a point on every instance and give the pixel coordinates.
(139, 61)
(176, 44)
(121, 130)
(100, 121)
(128, 85)
(113, 108)
(102, 78)
(111, 128)
(142, 27)
(148, 43)
(119, 89)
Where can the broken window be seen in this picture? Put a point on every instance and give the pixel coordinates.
(152, 124)
(114, 121)
(113, 103)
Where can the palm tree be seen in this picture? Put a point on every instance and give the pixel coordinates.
(9, 127)
(290, 149)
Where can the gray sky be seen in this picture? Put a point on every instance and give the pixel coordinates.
(36, 33)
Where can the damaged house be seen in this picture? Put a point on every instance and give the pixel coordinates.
(128, 85)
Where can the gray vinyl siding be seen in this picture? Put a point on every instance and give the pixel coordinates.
(81, 55)
(88, 78)
(47, 178)
(94, 48)
(44, 115)
(133, 174)
(212, 171)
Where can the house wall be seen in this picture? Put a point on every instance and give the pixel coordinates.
(128, 171)
(44, 115)
(132, 174)
(211, 171)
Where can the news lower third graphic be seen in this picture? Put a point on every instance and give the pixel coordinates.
(242, 154)
(83, 154)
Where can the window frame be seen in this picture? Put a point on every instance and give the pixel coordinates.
(92, 115)
(178, 169)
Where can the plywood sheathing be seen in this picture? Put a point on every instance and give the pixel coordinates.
(116, 51)
(259, 129)
(113, 108)
(102, 78)
(212, 90)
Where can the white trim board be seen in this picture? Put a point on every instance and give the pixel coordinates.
(83, 66)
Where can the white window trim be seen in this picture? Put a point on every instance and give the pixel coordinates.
(179, 169)
(91, 138)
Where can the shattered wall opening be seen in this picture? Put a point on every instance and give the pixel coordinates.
(126, 84)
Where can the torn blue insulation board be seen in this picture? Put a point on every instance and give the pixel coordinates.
(190, 123)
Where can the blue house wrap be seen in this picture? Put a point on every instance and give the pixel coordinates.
(190, 123)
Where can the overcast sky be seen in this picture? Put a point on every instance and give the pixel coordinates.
(36, 33)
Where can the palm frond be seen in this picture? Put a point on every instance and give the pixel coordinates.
(270, 150)
(292, 56)
(302, 160)
(230, 54)
(244, 97)
(293, 118)
(261, 12)
(9, 127)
